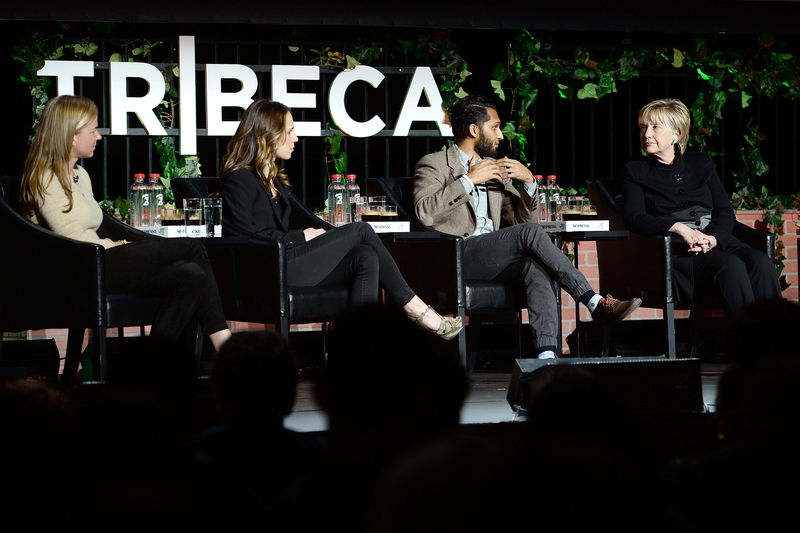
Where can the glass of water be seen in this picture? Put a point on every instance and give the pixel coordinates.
(193, 217)
(212, 216)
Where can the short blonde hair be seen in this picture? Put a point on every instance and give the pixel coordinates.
(670, 112)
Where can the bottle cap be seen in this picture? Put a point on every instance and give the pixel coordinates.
(138, 176)
(154, 176)
(336, 177)
(551, 177)
(349, 176)
(537, 177)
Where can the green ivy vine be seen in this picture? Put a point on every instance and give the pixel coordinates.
(41, 47)
(766, 69)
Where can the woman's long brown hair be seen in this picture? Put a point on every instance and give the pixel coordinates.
(49, 155)
(255, 143)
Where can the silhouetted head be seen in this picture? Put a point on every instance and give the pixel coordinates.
(254, 376)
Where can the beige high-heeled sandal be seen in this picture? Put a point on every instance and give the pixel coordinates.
(448, 329)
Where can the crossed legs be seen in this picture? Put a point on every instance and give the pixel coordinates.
(525, 253)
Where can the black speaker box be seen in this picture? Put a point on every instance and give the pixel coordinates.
(37, 357)
(647, 385)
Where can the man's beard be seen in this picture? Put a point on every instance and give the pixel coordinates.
(485, 147)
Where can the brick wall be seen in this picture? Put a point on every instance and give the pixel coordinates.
(587, 262)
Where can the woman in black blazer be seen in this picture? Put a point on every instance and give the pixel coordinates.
(257, 203)
(677, 193)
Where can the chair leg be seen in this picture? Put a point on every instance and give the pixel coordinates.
(605, 341)
(284, 327)
(696, 316)
(73, 355)
(100, 355)
(669, 330)
(473, 343)
(325, 344)
(462, 343)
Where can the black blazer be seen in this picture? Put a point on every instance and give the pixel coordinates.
(654, 192)
(248, 211)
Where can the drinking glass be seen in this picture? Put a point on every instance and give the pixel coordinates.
(374, 209)
(573, 208)
(359, 205)
(193, 217)
(212, 216)
(389, 212)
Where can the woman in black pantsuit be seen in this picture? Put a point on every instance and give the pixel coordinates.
(256, 204)
(677, 193)
(56, 193)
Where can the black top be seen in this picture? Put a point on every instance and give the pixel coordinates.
(248, 210)
(654, 194)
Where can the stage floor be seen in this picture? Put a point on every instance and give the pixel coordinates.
(486, 402)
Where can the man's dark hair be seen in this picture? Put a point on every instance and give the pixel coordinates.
(472, 109)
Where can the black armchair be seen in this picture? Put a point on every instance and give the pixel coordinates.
(57, 282)
(199, 187)
(642, 265)
(444, 286)
(252, 278)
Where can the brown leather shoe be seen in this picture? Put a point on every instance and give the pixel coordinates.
(610, 310)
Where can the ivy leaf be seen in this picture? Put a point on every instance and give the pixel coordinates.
(499, 72)
(529, 99)
(116, 56)
(677, 58)
(580, 74)
(498, 89)
(351, 62)
(509, 130)
(745, 99)
(588, 91)
(461, 93)
(293, 49)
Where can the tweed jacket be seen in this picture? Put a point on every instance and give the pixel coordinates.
(442, 204)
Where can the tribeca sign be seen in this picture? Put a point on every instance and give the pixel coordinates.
(121, 103)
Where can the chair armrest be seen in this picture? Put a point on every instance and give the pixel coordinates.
(303, 217)
(52, 281)
(251, 277)
(755, 238)
(116, 230)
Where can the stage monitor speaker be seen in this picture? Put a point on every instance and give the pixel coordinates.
(648, 385)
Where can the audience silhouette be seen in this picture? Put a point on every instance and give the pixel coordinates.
(387, 387)
(249, 459)
(748, 480)
(144, 449)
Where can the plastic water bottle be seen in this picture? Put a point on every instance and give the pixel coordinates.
(541, 212)
(135, 198)
(555, 198)
(156, 194)
(337, 212)
(353, 193)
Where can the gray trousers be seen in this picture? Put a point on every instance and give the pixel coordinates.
(526, 254)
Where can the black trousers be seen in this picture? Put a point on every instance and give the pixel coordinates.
(350, 254)
(736, 276)
(179, 271)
